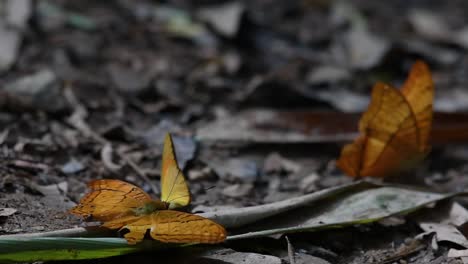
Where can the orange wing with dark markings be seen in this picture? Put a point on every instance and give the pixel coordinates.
(121, 205)
(350, 158)
(419, 92)
(110, 199)
(171, 226)
(389, 136)
(394, 130)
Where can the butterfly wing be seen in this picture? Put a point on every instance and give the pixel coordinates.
(389, 136)
(418, 90)
(110, 199)
(121, 221)
(350, 158)
(175, 227)
(174, 189)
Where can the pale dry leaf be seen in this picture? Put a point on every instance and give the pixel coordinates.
(106, 157)
(225, 18)
(18, 12)
(429, 24)
(232, 257)
(7, 211)
(365, 50)
(457, 253)
(458, 214)
(326, 74)
(9, 46)
(445, 232)
(4, 136)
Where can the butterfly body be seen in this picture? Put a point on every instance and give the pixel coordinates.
(394, 130)
(121, 205)
(150, 207)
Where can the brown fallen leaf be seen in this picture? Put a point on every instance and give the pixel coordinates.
(261, 125)
(268, 126)
(449, 128)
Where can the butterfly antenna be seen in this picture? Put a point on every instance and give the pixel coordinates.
(209, 188)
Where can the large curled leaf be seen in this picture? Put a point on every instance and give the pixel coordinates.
(349, 208)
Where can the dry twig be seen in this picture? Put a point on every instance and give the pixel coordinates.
(77, 120)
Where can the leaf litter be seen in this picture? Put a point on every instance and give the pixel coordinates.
(170, 64)
(357, 203)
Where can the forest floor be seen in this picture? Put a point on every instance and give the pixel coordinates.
(88, 90)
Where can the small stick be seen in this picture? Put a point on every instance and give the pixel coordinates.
(71, 232)
(292, 259)
(77, 120)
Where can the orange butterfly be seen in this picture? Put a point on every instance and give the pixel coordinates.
(121, 205)
(395, 128)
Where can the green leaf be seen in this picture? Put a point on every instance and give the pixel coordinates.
(62, 248)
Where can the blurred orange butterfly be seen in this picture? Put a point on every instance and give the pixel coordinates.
(395, 128)
(121, 205)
